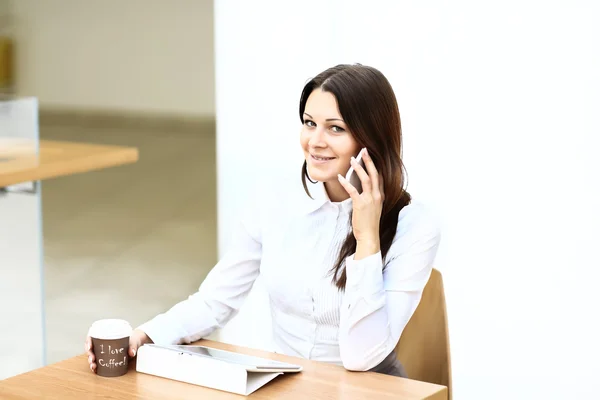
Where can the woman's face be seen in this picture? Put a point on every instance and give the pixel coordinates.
(325, 138)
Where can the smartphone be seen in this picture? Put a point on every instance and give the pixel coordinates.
(352, 176)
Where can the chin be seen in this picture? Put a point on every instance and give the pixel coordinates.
(321, 176)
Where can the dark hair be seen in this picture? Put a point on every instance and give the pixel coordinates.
(369, 108)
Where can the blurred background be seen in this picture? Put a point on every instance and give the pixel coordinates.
(122, 242)
(499, 105)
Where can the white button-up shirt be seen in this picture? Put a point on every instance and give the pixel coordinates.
(294, 249)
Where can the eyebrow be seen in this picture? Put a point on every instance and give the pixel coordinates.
(328, 119)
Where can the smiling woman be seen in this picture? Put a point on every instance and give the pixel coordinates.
(344, 270)
(354, 106)
(327, 143)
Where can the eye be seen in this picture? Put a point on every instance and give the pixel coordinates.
(337, 129)
(309, 123)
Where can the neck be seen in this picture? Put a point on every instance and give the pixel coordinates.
(336, 191)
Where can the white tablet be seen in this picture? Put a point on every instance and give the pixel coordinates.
(250, 363)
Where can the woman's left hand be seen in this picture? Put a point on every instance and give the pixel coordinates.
(366, 206)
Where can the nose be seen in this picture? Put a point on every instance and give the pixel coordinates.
(317, 138)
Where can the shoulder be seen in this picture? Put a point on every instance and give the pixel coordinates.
(411, 256)
(418, 224)
(418, 216)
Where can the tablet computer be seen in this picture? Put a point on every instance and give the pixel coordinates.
(250, 363)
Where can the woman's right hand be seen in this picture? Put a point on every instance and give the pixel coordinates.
(137, 339)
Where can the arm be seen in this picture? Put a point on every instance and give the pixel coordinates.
(221, 294)
(378, 302)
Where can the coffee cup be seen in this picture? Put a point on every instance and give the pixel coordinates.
(110, 344)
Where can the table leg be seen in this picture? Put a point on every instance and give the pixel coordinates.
(22, 325)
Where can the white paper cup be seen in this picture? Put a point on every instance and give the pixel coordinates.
(110, 344)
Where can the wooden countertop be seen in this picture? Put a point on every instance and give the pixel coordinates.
(72, 379)
(60, 159)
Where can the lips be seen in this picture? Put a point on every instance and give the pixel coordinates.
(320, 158)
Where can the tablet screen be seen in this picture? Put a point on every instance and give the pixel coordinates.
(235, 358)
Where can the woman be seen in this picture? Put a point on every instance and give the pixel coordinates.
(344, 269)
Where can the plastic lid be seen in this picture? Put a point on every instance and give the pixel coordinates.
(110, 329)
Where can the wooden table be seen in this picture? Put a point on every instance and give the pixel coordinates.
(72, 379)
(57, 158)
(22, 166)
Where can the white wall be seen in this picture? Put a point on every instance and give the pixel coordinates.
(261, 66)
(133, 55)
(499, 106)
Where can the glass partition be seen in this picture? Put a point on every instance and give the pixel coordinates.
(22, 331)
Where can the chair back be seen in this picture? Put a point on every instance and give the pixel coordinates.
(423, 348)
(6, 63)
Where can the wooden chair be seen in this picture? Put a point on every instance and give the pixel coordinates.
(423, 348)
(6, 63)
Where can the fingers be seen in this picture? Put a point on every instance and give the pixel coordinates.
(138, 338)
(373, 174)
(362, 175)
(88, 347)
(134, 344)
(351, 190)
(90, 354)
(92, 364)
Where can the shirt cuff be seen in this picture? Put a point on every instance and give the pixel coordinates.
(366, 275)
(162, 331)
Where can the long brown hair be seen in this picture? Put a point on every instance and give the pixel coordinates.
(368, 106)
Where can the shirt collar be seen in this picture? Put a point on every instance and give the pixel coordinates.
(320, 199)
